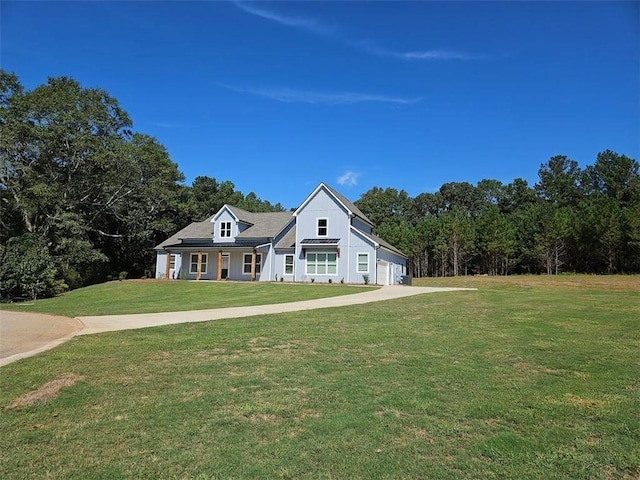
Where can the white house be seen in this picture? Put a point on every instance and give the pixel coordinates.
(327, 239)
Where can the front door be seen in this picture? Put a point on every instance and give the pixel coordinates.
(225, 266)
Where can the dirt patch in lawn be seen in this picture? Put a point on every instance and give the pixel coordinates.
(48, 391)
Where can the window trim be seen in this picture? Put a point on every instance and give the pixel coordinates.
(172, 261)
(358, 262)
(326, 263)
(203, 265)
(293, 264)
(225, 229)
(326, 227)
(245, 264)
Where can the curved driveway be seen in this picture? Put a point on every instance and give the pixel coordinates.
(26, 334)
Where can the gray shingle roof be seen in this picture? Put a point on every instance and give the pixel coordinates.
(289, 240)
(202, 230)
(263, 225)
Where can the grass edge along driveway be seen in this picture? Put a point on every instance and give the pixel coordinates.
(153, 296)
(515, 380)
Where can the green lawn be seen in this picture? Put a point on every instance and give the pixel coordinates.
(149, 296)
(524, 378)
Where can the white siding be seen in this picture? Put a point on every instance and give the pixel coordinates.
(224, 216)
(322, 205)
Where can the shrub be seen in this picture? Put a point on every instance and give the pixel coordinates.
(366, 279)
(27, 269)
(122, 275)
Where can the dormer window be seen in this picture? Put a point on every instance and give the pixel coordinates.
(322, 227)
(225, 229)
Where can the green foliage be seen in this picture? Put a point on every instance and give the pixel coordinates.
(26, 269)
(74, 172)
(572, 220)
(101, 196)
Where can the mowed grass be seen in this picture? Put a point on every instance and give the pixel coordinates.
(150, 296)
(517, 380)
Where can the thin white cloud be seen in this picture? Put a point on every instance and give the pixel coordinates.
(348, 179)
(295, 22)
(425, 54)
(288, 95)
(317, 28)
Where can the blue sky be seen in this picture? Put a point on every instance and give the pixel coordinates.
(279, 96)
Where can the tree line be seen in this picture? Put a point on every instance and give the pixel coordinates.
(84, 198)
(571, 220)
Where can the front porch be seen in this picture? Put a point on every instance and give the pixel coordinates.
(230, 263)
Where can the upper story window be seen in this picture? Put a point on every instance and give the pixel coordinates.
(225, 229)
(323, 227)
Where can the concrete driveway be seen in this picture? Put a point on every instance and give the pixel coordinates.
(26, 334)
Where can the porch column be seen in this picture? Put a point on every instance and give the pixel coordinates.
(219, 277)
(168, 265)
(253, 265)
(199, 274)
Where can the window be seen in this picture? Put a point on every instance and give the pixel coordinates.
(225, 229)
(193, 268)
(172, 262)
(322, 227)
(288, 264)
(246, 266)
(363, 263)
(322, 263)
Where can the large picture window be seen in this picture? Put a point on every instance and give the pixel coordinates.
(322, 263)
(288, 265)
(193, 268)
(363, 263)
(246, 264)
(323, 224)
(225, 229)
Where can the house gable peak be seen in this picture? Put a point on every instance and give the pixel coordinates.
(341, 199)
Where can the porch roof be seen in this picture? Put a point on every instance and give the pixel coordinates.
(207, 244)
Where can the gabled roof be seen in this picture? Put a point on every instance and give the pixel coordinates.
(200, 230)
(240, 214)
(350, 205)
(346, 203)
(261, 225)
